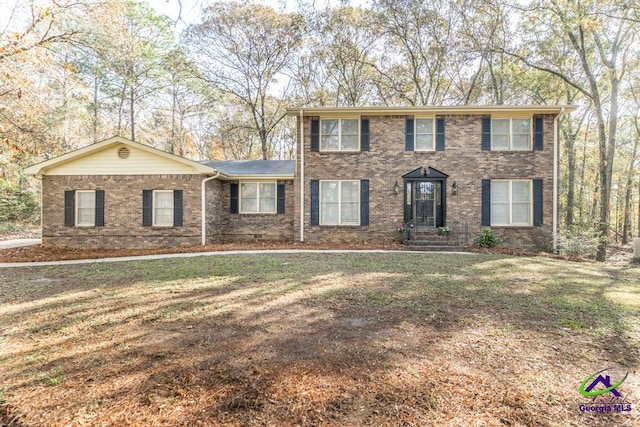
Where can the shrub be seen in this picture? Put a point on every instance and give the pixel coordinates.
(487, 239)
(579, 240)
(16, 204)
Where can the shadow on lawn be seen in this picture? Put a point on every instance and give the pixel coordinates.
(259, 339)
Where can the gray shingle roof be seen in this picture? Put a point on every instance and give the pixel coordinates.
(254, 167)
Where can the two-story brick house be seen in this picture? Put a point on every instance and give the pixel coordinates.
(360, 174)
(363, 172)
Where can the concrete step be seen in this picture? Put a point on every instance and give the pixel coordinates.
(435, 248)
(435, 242)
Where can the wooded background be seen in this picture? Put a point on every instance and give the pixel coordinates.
(73, 73)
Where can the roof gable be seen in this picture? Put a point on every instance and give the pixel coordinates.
(118, 156)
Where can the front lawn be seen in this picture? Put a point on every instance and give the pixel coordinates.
(316, 339)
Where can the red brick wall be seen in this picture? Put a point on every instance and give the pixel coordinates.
(463, 160)
(123, 212)
(234, 227)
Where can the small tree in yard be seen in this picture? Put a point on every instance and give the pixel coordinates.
(16, 204)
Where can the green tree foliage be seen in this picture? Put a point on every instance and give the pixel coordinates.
(16, 204)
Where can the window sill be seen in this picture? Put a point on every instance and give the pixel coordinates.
(512, 227)
(338, 152)
(257, 213)
(529, 150)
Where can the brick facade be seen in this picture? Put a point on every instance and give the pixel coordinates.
(227, 226)
(383, 165)
(123, 211)
(463, 160)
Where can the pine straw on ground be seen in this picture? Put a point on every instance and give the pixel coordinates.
(292, 340)
(620, 255)
(37, 253)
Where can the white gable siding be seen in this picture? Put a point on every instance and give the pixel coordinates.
(107, 162)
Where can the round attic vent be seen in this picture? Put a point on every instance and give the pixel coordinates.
(123, 153)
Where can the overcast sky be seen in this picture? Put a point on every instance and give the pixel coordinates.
(191, 9)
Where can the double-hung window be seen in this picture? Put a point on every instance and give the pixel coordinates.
(424, 135)
(163, 208)
(85, 208)
(511, 202)
(339, 202)
(339, 135)
(257, 197)
(512, 134)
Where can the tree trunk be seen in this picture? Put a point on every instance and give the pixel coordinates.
(626, 228)
(132, 101)
(123, 97)
(582, 182)
(596, 193)
(571, 176)
(96, 81)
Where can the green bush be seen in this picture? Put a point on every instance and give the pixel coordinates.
(487, 239)
(16, 204)
(579, 240)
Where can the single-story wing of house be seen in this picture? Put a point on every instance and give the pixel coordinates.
(360, 174)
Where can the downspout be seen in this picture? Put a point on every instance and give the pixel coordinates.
(556, 133)
(204, 209)
(41, 178)
(301, 176)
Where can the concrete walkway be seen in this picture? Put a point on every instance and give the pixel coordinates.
(219, 253)
(16, 243)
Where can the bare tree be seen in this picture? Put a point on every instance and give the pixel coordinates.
(601, 36)
(244, 49)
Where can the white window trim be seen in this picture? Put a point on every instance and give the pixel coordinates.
(340, 181)
(275, 204)
(415, 134)
(153, 208)
(511, 223)
(510, 143)
(340, 149)
(87, 224)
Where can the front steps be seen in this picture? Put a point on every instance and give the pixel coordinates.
(433, 242)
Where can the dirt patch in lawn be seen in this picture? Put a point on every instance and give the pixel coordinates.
(303, 340)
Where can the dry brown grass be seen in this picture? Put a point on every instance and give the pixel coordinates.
(309, 339)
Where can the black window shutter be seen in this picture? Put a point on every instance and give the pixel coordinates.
(147, 208)
(69, 208)
(315, 202)
(486, 202)
(177, 208)
(538, 132)
(233, 189)
(99, 219)
(315, 135)
(537, 202)
(440, 125)
(408, 134)
(486, 133)
(364, 134)
(364, 202)
(280, 197)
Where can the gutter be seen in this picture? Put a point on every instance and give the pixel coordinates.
(204, 209)
(301, 175)
(556, 138)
